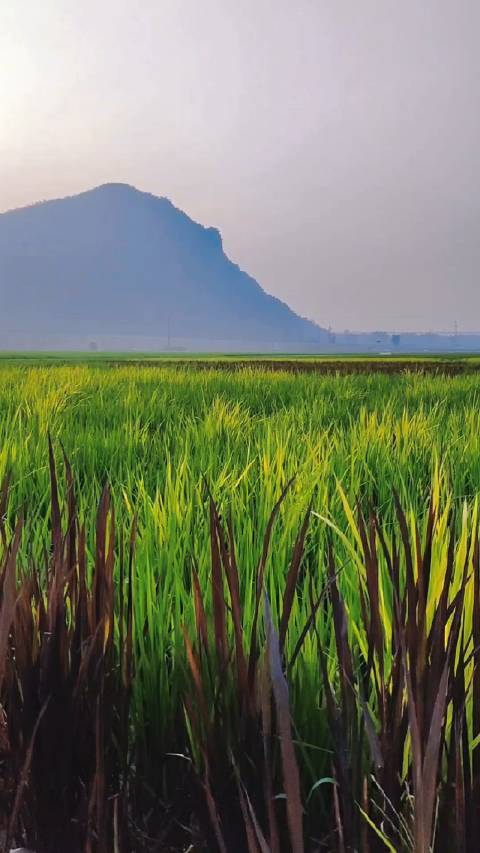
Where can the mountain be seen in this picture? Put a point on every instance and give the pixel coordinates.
(116, 264)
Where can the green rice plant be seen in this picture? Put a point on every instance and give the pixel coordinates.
(156, 434)
(395, 636)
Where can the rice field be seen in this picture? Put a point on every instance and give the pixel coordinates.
(306, 680)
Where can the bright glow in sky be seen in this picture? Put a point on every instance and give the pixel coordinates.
(334, 143)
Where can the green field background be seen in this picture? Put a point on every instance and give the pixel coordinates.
(161, 436)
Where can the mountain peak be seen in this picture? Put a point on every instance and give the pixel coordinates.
(114, 189)
(114, 186)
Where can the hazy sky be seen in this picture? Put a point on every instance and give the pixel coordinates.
(335, 143)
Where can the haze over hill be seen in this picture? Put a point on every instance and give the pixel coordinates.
(116, 268)
(114, 261)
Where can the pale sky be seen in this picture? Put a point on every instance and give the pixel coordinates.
(334, 143)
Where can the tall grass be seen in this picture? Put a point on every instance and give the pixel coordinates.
(167, 442)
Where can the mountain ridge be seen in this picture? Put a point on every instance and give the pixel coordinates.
(114, 267)
(146, 266)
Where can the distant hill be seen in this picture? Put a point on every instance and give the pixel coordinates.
(115, 263)
(118, 269)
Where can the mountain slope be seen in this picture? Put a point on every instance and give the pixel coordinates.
(117, 261)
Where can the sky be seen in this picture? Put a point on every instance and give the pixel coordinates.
(334, 143)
